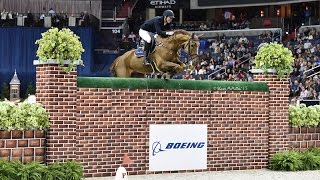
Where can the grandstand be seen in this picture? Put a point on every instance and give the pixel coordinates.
(231, 34)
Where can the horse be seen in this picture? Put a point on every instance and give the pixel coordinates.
(164, 58)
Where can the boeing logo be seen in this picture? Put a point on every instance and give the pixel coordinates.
(156, 146)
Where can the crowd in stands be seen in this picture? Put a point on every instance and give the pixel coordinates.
(61, 19)
(230, 22)
(304, 81)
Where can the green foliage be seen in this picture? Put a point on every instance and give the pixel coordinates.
(35, 171)
(303, 116)
(296, 161)
(310, 160)
(286, 161)
(69, 171)
(5, 93)
(6, 109)
(24, 116)
(7, 171)
(275, 56)
(60, 45)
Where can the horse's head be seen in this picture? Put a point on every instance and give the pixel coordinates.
(191, 47)
(189, 42)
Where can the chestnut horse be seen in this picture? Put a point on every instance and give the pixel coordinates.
(164, 59)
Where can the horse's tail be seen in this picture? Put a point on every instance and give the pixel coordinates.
(113, 67)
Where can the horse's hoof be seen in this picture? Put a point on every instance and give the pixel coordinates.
(167, 76)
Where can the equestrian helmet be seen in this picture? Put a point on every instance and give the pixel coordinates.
(168, 13)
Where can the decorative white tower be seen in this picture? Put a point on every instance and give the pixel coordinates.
(15, 87)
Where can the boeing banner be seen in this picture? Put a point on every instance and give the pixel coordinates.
(177, 147)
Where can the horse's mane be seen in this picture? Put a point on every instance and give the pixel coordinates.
(181, 31)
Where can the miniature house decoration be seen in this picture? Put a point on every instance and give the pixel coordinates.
(15, 87)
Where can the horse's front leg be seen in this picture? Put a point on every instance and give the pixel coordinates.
(172, 68)
(183, 65)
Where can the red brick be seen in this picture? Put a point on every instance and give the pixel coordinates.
(39, 151)
(11, 143)
(2, 143)
(16, 152)
(40, 134)
(315, 136)
(34, 142)
(22, 143)
(28, 134)
(16, 134)
(5, 134)
(311, 144)
(5, 152)
(28, 152)
(304, 145)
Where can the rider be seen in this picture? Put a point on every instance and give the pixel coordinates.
(158, 25)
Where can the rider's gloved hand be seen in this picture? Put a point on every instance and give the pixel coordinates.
(170, 33)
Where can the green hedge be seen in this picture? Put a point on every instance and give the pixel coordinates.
(14, 170)
(296, 161)
(23, 116)
(173, 84)
(303, 116)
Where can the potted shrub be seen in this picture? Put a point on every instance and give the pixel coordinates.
(24, 116)
(274, 58)
(303, 116)
(61, 47)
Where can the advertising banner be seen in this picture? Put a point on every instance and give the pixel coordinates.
(162, 4)
(177, 147)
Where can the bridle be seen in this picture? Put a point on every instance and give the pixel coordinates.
(188, 44)
(193, 56)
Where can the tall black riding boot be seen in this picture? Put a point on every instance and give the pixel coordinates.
(146, 53)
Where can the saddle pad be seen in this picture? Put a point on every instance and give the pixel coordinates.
(139, 52)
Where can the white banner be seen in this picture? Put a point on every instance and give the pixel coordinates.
(177, 147)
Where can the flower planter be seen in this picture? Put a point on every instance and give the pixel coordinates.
(53, 61)
(260, 71)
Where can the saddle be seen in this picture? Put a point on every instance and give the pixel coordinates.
(139, 51)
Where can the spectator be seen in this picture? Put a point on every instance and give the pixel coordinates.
(51, 12)
(29, 21)
(132, 37)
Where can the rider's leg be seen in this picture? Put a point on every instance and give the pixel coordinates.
(147, 38)
(147, 47)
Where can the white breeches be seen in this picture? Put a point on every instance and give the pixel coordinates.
(145, 35)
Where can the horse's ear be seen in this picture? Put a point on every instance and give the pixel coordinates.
(192, 35)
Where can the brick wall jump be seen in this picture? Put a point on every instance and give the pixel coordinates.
(97, 126)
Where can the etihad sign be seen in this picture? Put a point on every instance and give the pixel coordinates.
(162, 4)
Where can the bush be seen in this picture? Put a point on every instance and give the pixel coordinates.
(59, 171)
(24, 116)
(286, 161)
(275, 56)
(310, 160)
(296, 161)
(303, 116)
(60, 45)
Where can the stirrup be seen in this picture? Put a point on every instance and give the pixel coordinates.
(146, 62)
